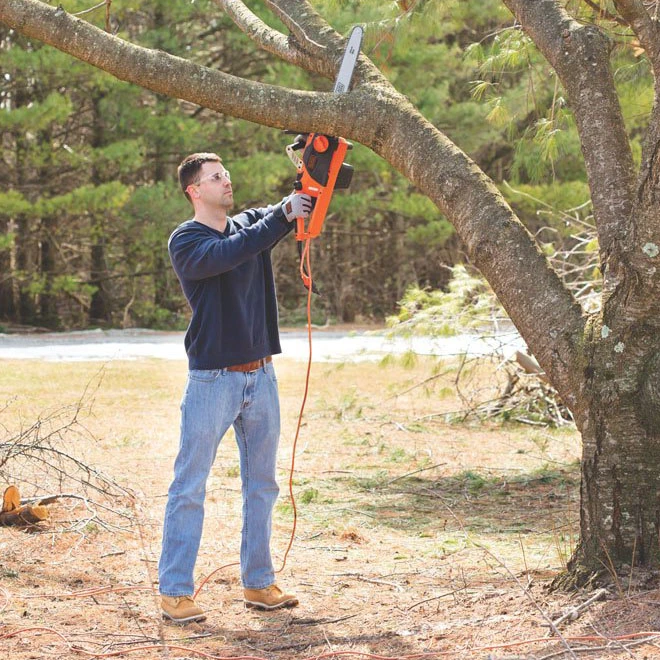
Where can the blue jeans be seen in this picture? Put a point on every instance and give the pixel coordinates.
(213, 401)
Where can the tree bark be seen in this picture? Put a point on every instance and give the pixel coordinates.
(620, 466)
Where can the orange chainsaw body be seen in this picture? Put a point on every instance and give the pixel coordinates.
(321, 169)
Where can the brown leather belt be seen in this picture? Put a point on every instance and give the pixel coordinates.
(250, 366)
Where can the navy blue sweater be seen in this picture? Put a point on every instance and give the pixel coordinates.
(227, 278)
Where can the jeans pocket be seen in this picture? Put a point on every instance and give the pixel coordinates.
(270, 371)
(204, 375)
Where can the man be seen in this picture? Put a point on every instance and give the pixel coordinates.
(224, 267)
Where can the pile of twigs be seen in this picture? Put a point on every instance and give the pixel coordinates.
(525, 397)
(514, 390)
(38, 460)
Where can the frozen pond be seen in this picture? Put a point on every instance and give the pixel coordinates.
(328, 345)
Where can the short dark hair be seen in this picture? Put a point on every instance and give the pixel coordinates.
(190, 167)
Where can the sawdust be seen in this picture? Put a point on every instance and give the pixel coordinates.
(414, 537)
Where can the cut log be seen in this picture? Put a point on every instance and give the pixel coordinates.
(24, 515)
(11, 499)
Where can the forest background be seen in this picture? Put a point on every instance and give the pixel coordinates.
(88, 192)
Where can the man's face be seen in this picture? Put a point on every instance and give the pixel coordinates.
(214, 186)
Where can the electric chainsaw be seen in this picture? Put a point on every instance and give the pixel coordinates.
(321, 167)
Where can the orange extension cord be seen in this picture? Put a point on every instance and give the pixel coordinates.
(305, 264)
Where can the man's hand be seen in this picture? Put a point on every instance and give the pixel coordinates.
(297, 206)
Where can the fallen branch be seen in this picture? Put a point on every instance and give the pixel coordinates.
(530, 365)
(574, 612)
(409, 474)
(429, 600)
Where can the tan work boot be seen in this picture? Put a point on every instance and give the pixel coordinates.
(181, 609)
(269, 598)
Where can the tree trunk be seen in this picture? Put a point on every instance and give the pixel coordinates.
(25, 263)
(99, 308)
(48, 316)
(9, 294)
(620, 466)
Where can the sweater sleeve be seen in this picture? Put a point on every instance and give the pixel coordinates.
(197, 254)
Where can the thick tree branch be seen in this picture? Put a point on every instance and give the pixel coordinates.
(263, 35)
(173, 76)
(637, 17)
(313, 45)
(580, 56)
(305, 29)
(305, 23)
(311, 32)
(274, 42)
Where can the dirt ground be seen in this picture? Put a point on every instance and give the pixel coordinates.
(416, 537)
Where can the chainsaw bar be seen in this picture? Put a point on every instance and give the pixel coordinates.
(351, 53)
(320, 164)
(342, 84)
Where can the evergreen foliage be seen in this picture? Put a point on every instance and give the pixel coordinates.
(468, 305)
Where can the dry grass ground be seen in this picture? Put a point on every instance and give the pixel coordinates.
(415, 538)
